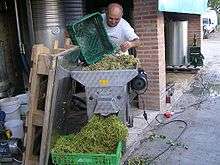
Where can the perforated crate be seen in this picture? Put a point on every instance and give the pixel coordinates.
(88, 159)
(90, 34)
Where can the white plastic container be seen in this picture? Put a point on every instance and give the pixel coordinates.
(10, 106)
(9, 101)
(22, 98)
(16, 127)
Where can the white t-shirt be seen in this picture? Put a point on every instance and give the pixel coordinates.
(120, 33)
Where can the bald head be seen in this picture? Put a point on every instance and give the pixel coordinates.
(115, 8)
(114, 13)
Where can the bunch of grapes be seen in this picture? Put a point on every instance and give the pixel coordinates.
(100, 135)
(111, 62)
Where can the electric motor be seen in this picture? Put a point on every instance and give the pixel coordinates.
(140, 83)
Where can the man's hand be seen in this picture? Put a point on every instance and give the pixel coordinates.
(125, 46)
(129, 44)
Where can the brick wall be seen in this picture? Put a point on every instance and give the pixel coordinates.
(194, 26)
(149, 25)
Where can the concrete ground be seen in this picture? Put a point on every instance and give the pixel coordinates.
(191, 135)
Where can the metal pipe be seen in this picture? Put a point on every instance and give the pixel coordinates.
(21, 47)
(24, 61)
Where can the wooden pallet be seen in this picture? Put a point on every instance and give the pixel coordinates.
(182, 69)
(43, 69)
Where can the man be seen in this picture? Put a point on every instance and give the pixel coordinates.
(119, 30)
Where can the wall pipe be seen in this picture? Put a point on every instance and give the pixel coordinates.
(26, 67)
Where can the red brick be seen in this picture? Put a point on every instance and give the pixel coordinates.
(149, 25)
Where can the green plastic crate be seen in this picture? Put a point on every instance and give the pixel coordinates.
(88, 159)
(90, 35)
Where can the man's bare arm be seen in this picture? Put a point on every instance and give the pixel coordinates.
(135, 43)
(130, 44)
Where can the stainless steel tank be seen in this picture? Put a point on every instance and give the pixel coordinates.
(73, 9)
(176, 41)
(48, 20)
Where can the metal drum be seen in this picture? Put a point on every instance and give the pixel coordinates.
(176, 43)
(48, 20)
(73, 9)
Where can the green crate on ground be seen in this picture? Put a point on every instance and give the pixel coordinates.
(88, 158)
(90, 34)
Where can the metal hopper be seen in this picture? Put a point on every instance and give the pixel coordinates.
(106, 91)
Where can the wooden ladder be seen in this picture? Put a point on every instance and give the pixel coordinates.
(43, 70)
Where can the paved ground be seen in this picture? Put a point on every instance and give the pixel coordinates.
(192, 136)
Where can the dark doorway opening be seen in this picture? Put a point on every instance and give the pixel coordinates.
(100, 6)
